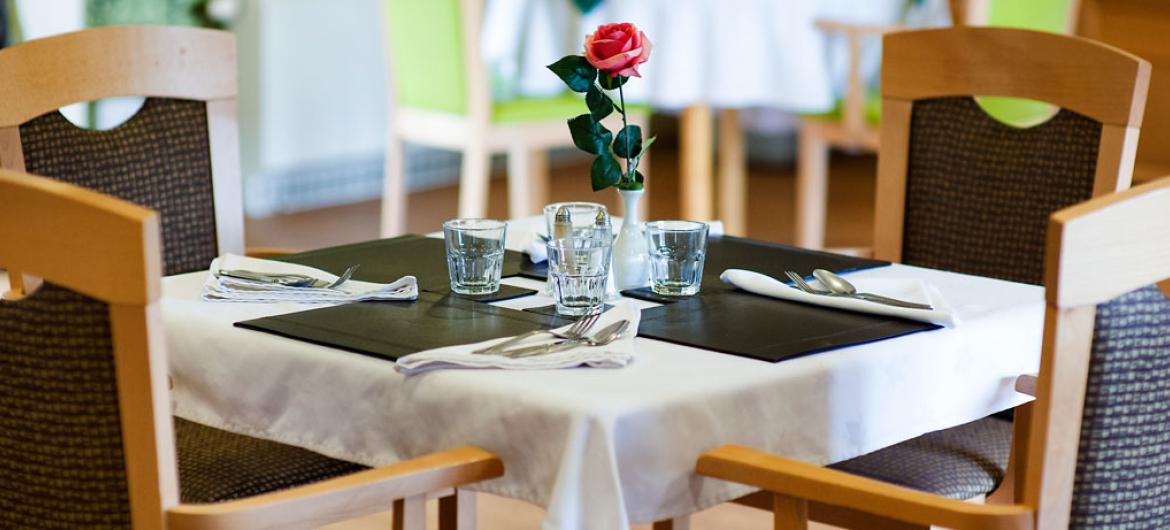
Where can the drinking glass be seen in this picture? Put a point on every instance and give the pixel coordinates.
(578, 269)
(475, 254)
(677, 250)
(583, 216)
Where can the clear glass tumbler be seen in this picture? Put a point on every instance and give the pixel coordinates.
(578, 269)
(475, 254)
(582, 216)
(677, 250)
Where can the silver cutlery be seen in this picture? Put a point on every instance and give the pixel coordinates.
(841, 287)
(576, 331)
(603, 337)
(288, 279)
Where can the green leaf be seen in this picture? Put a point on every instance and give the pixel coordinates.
(599, 104)
(588, 135)
(605, 172)
(639, 177)
(631, 135)
(611, 83)
(575, 71)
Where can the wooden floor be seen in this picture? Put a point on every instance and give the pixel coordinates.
(770, 208)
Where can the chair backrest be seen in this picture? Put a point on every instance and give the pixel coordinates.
(86, 436)
(178, 155)
(958, 190)
(437, 74)
(1099, 455)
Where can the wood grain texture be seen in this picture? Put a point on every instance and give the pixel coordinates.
(818, 484)
(1094, 79)
(160, 61)
(345, 497)
(893, 166)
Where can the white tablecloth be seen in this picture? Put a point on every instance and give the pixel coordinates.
(599, 448)
(726, 53)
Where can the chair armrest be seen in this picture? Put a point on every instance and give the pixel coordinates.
(268, 252)
(341, 498)
(1026, 384)
(828, 486)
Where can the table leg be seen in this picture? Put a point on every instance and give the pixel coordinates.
(732, 174)
(790, 513)
(695, 186)
(678, 523)
(812, 186)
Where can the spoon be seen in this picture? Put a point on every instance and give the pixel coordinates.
(841, 287)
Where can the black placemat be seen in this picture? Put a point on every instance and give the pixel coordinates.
(551, 310)
(765, 328)
(388, 330)
(506, 292)
(386, 260)
(728, 252)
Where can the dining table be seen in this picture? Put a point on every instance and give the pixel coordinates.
(601, 448)
(709, 57)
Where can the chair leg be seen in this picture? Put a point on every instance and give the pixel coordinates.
(678, 523)
(410, 513)
(394, 188)
(812, 191)
(474, 180)
(527, 181)
(789, 513)
(732, 174)
(457, 512)
(695, 184)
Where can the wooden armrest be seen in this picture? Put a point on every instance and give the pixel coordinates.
(1026, 384)
(837, 488)
(268, 252)
(341, 498)
(834, 26)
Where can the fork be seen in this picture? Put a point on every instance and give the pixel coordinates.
(344, 277)
(802, 285)
(576, 331)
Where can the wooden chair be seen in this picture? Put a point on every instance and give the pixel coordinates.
(854, 124)
(1096, 453)
(441, 97)
(973, 195)
(178, 155)
(88, 439)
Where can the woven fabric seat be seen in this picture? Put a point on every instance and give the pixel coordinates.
(962, 462)
(216, 465)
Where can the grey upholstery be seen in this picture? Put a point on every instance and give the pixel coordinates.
(961, 462)
(216, 465)
(979, 192)
(1123, 464)
(60, 430)
(159, 159)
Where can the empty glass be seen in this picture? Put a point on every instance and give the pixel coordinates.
(578, 269)
(475, 254)
(677, 250)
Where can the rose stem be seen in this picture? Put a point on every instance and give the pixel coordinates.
(625, 127)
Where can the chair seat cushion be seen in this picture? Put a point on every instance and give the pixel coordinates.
(216, 465)
(961, 462)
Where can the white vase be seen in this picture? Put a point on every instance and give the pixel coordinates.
(631, 267)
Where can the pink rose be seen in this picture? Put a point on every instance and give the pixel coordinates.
(617, 49)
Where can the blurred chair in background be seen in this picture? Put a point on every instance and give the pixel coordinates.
(854, 122)
(441, 97)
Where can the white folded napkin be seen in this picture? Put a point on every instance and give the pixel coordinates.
(224, 288)
(616, 354)
(902, 289)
